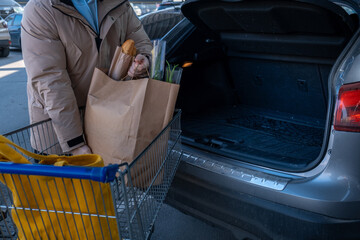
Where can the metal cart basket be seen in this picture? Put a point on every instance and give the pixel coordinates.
(82, 211)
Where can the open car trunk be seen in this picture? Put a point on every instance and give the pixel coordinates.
(257, 90)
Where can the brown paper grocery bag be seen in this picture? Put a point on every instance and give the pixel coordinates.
(123, 117)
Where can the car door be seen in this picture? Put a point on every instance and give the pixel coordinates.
(10, 20)
(14, 30)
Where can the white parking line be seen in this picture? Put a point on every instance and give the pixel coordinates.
(4, 73)
(5, 70)
(17, 64)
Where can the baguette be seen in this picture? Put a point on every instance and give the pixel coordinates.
(129, 48)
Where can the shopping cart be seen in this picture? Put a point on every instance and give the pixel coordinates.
(134, 203)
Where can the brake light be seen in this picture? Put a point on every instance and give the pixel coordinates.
(4, 24)
(347, 116)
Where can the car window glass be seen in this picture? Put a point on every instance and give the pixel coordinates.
(9, 20)
(9, 2)
(17, 20)
(142, 7)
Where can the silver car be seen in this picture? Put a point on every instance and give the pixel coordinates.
(8, 7)
(270, 95)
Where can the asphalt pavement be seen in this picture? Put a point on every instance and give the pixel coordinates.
(171, 224)
(13, 104)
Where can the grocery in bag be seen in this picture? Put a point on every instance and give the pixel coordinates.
(122, 59)
(123, 117)
(63, 199)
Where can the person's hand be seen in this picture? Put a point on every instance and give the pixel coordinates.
(81, 150)
(139, 66)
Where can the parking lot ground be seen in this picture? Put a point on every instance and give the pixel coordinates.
(13, 104)
(172, 224)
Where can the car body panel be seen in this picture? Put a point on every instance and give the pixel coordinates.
(333, 193)
(235, 209)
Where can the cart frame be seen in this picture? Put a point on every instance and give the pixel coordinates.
(135, 202)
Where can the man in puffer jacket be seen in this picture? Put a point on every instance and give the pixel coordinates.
(62, 42)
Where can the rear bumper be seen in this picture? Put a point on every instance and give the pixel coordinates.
(4, 43)
(261, 218)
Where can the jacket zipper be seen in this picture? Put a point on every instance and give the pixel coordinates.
(98, 39)
(109, 12)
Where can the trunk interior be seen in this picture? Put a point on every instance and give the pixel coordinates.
(257, 90)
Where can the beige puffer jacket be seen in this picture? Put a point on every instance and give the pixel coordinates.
(61, 50)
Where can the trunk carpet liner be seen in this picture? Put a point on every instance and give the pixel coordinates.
(240, 133)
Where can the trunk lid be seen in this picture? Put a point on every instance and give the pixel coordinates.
(271, 17)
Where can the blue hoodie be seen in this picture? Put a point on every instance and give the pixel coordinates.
(88, 8)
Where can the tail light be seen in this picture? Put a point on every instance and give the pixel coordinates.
(4, 23)
(347, 116)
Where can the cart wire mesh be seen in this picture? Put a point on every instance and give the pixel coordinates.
(114, 202)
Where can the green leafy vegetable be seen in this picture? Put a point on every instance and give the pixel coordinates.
(170, 72)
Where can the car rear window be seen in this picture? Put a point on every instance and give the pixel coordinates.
(9, 19)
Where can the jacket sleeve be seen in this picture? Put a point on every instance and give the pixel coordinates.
(135, 31)
(48, 79)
